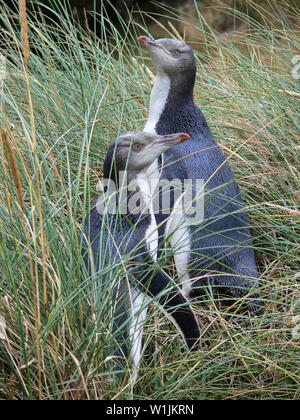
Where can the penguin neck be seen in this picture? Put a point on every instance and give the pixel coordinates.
(132, 189)
(169, 94)
(143, 183)
(158, 99)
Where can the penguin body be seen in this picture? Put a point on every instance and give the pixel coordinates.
(219, 250)
(119, 250)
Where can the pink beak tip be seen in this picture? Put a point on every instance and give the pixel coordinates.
(184, 136)
(142, 39)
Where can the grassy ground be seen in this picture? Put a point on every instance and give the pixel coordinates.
(83, 92)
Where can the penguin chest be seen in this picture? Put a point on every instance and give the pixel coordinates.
(151, 238)
(151, 233)
(177, 232)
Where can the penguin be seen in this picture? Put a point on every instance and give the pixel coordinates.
(218, 250)
(119, 245)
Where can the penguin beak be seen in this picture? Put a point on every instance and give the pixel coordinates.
(148, 43)
(159, 54)
(171, 140)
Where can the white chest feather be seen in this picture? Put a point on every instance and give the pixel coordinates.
(158, 100)
(177, 232)
(151, 235)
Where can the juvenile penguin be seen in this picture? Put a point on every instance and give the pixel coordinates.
(218, 251)
(122, 235)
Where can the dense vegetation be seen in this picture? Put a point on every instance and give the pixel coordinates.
(79, 92)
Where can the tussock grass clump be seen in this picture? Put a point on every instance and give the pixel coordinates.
(81, 91)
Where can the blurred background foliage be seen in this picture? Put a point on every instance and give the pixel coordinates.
(153, 13)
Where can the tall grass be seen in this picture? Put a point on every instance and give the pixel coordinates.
(84, 91)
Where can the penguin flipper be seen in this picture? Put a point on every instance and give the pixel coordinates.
(168, 296)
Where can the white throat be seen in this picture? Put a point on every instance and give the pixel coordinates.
(158, 100)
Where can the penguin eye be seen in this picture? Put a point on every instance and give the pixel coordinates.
(137, 147)
(175, 53)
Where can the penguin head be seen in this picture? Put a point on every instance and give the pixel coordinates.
(170, 56)
(136, 151)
